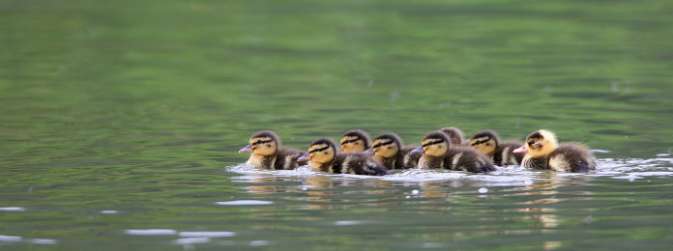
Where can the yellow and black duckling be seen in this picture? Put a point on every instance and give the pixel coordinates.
(388, 151)
(323, 156)
(502, 154)
(542, 151)
(354, 141)
(267, 152)
(439, 153)
(455, 135)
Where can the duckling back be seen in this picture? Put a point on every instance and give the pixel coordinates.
(463, 158)
(287, 159)
(571, 158)
(360, 164)
(505, 154)
(410, 157)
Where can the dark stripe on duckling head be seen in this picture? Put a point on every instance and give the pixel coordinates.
(319, 149)
(263, 141)
(267, 134)
(437, 135)
(387, 139)
(490, 134)
(383, 143)
(327, 142)
(535, 135)
(433, 142)
(360, 135)
(480, 141)
(352, 140)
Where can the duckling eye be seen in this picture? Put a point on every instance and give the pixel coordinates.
(389, 147)
(325, 153)
(357, 143)
(268, 145)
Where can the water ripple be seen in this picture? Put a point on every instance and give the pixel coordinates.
(621, 169)
(151, 232)
(244, 203)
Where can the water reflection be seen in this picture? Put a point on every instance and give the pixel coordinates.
(317, 189)
(262, 185)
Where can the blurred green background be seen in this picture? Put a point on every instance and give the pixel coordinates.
(103, 101)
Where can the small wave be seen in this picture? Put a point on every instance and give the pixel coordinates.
(151, 232)
(343, 223)
(259, 243)
(10, 238)
(109, 212)
(43, 241)
(36, 241)
(244, 203)
(192, 240)
(208, 234)
(12, 209)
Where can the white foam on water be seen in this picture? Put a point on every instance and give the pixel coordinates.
(12, 209)
(151, 232)
(343, 223)
(43, 241)
(192, 240)
(244, 203)
(630, 169)
(109, 212)
(259, 243)
(596, 150)
(10, 238)
(247, 169)
(208, 234)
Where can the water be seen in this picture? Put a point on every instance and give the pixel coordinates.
(120, 122)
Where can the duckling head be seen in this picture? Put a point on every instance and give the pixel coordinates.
(485, 142)
(386, 145)
(262, 143)
(320, 152)
(538, 144)
(455, 134)
(435, 144)
(354, 141)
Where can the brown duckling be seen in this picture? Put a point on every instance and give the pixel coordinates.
(323, 156)
(267, 152)
(455, 135)
(354, 141)
(502, 154)
(542, 151)
(439, 153)
(389, 152)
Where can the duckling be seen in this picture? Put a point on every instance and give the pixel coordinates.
(455, 135)
(542, 151)
(502, 154)
(267, 152)
(389, 152)
(354, 141)
(323, 156)
(438, 152)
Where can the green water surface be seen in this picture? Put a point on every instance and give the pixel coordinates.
(140, 107)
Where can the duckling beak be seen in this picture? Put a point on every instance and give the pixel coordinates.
(245, 149)
(521, 149)
(417, 150)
